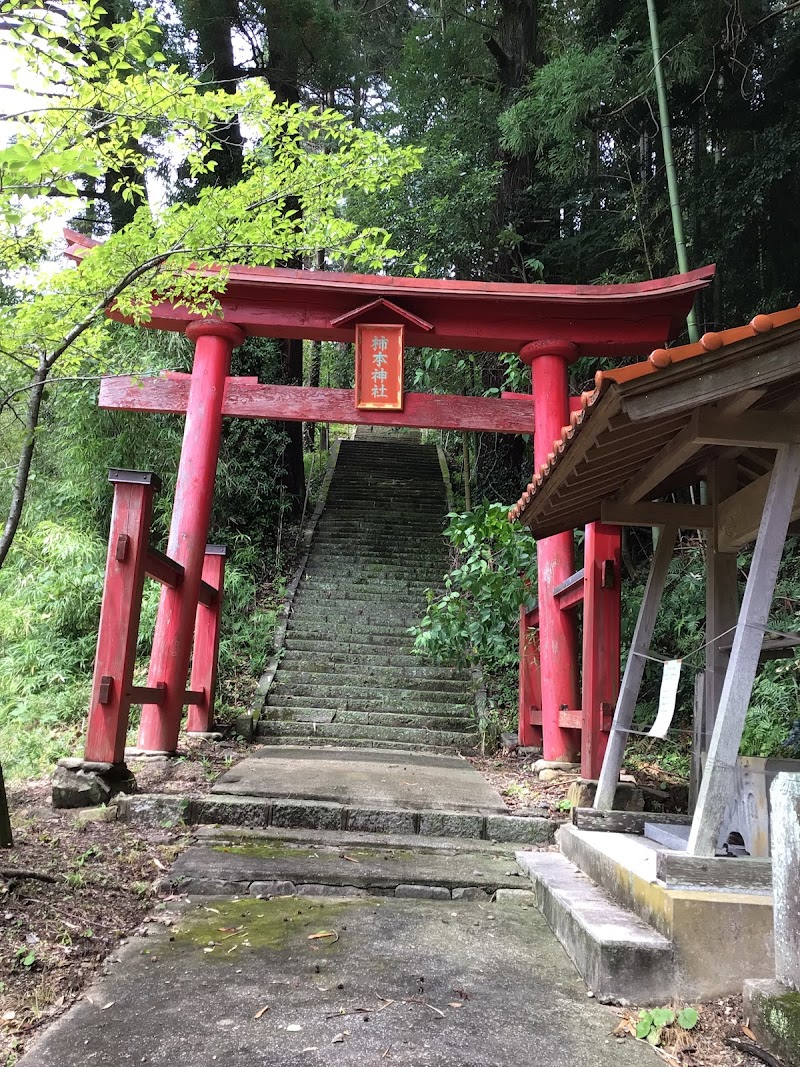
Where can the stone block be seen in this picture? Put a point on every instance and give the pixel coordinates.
(785, 804)
(553, 774)
(307, 815)
(230, 811)
(626, 798)
(153, 809)
(79, 788)
(471, 892)
(378, 821)
(446, 824)
(555, 765)
(316, 889)
(272, 889)
(422, 892)
(525, 897)
(774, 1013)
(83, 816)
(517, 828)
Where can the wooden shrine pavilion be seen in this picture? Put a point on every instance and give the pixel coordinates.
(725, 411)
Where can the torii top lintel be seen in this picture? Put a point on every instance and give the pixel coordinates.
(602, 320)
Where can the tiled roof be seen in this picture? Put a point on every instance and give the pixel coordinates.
(656, 361)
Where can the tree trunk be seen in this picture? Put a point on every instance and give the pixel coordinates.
(25, 458)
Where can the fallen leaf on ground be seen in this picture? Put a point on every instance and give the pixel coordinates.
(324, 933)
(337, 1039)
(294, 1028)
(110, 1004)
(350, 859)
(261, 1011)
(456, 1004)
(748, 1032)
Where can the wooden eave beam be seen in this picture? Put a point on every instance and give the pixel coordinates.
(656, 513)
(709, 379)
(752, 429)
(739, 515)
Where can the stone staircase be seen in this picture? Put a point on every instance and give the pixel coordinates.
(347, 675)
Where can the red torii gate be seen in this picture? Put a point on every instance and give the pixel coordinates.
(549, 326)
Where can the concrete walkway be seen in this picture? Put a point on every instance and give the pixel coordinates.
(363, 778)
(246, 983)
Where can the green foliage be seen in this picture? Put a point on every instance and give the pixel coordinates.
(650, 1025)
(475, 619)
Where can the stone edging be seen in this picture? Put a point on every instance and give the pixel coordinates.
(246, 724)
(160, 809)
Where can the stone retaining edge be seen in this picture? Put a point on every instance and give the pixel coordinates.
(246, 724)
(408, 891)
(157, 809)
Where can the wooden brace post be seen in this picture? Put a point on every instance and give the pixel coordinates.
(716, 787)
(206, 644)
(634, 669)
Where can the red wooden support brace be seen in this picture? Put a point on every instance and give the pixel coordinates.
(530, 682)
(119, 615)
(601, 640)
(194, 491)
(206, 644)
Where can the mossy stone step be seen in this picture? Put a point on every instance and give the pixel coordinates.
(361, 689)
(307, 671)
(332, 650)
(450, 723)
(409, 700)
(411, 666)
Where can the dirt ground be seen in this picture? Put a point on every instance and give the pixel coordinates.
(100, 879)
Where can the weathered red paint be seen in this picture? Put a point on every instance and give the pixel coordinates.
(110, 701)
(601, 640)
(530, 682)
(603, 320)
(194, 490)
(555, 556)
(206, 644)
(244, 398)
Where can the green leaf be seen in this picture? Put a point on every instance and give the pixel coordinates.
(663, 1017)
(688, 1018)
(644, 1025)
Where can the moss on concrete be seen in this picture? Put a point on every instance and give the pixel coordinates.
(223, 929)
(780, 1017)
(279, 850)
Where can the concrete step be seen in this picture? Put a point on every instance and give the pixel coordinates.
(619, 957)
(317, 742)
(397, 666)
(357, 639)
(409, 701)
(361, 625)
(357, 653)
(422, 827)
(344, 733)
(309, 672)
(259, 863)
(361, 689)
(464, 723)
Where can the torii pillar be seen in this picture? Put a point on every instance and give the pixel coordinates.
(555, 556)
(191, 514)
